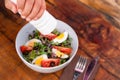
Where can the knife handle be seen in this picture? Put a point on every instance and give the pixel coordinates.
(90, 69)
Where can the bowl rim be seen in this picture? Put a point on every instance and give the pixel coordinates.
(47, 68)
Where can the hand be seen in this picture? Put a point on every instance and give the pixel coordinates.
(28, 9)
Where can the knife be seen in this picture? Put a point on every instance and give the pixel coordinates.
(91, 68)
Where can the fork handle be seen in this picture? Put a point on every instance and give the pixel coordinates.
(76, 74)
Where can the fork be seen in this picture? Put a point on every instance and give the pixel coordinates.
(80, 67)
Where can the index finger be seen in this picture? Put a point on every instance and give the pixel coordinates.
(20, 5)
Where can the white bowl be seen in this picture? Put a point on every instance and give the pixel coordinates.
(22, 38)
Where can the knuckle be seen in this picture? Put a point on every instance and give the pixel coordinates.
(7, 5)
(30, 1)
(24, 13)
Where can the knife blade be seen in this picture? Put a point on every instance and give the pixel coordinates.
(91, 68)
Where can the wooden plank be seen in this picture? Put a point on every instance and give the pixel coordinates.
(110, 8)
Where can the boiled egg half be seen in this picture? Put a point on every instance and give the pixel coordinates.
(37, 60)
(59, 54)
(32, 42)
(62, 37)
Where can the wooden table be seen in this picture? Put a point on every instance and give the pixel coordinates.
(97, 35)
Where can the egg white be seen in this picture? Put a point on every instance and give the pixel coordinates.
(57, 40)
(32, 41)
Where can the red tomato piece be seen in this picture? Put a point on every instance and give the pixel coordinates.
(25, 49)
(50, 62)
(50, 36)
(63, 49)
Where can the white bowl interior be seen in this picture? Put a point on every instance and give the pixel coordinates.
(22, 38)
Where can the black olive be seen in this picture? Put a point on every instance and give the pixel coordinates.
(49, 55)
(30, 37)
(67, 59)
(52, 64)
(36, 48)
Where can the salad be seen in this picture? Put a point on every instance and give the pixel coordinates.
(47, 50)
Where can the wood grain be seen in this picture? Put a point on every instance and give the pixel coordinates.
(110, 8)
(96, 37)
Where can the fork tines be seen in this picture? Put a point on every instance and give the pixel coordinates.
(80, 66)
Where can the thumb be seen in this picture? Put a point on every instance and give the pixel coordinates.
(11, 6)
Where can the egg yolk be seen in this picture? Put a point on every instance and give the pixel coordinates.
(60, 36)
(38, 61)
(31, 44)
(59, 54)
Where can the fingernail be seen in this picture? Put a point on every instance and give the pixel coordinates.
(20, 11)
(28, 19)
(35, 18)
(23, 17)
